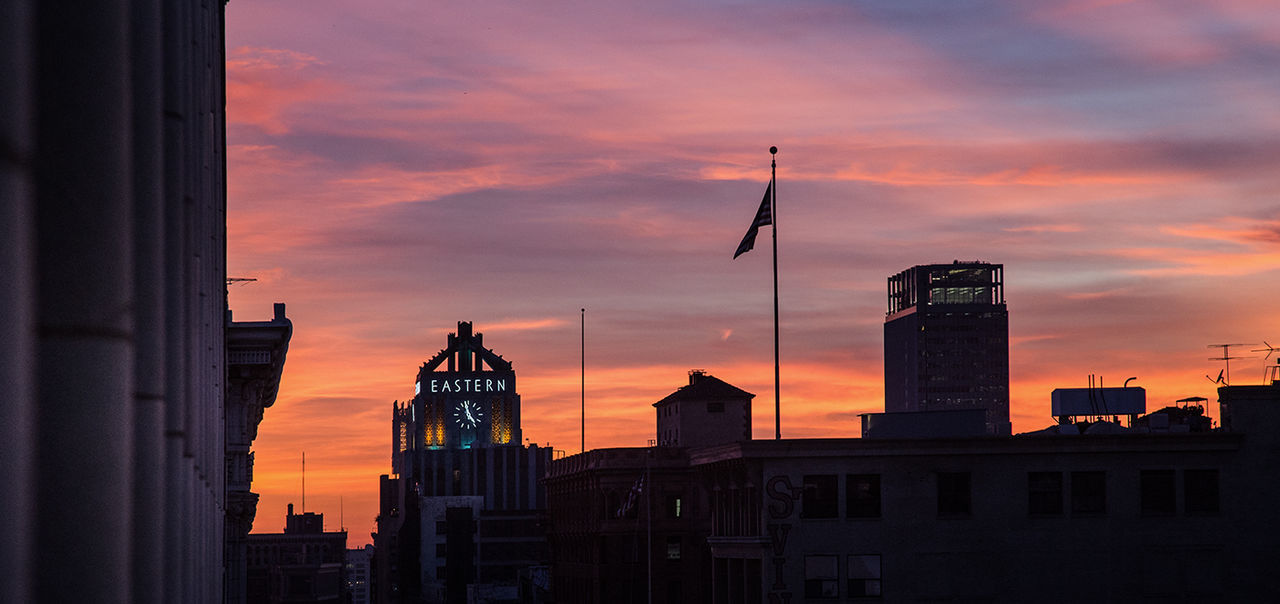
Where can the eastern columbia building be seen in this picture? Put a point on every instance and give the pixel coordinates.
(462, 508)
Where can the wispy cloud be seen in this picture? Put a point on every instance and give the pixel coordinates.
(397, 167)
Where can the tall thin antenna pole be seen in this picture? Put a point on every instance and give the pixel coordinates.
(304, 482)
(584, 379)
(773, 215)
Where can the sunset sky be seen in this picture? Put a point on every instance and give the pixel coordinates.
(397, 167)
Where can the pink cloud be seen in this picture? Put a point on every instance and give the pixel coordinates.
(395, 170)
(265, 85)
(1155, 32)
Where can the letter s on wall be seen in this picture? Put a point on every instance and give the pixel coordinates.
(779, 489)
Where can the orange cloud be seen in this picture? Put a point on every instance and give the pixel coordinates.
(511, 164)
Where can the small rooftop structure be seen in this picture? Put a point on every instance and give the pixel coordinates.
(306, 523)
(1081, 402)
(707, 411)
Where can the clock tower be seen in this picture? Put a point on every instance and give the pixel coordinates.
(460, 474)
(460, 433)
(464, 397)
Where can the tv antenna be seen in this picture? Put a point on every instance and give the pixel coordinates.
(239, 280)
(1224, 376)
(1270, 373)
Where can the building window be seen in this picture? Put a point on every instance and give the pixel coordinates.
(442, 527)
(862, 492)
(442, 550)
(1158, 492)
(1044, 493)
(675, 507)
(1201, 491)
(715, 407)
(820, 580)
(821, 497)
(953, 494)
(1088, 493)
(673, 547)
(864, 576)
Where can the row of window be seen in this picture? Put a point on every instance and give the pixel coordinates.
(1048, 493)
(822, 576)
(616, 507)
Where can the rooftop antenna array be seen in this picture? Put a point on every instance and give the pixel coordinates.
(1270, 373)
(1224, 376)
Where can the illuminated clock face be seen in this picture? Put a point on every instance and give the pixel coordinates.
(467, 414)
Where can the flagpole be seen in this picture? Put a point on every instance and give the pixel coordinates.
(773, 212)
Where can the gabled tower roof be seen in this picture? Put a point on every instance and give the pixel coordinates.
(466, 352)
(704, 387)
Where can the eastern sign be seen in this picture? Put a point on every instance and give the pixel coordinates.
(467, 408)
(467, 384)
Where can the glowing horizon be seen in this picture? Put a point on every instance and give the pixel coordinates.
(395, 168)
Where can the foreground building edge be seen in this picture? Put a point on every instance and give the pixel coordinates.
(113, 246)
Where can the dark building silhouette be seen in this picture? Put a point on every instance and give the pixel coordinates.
(302, 564)
(255, 362)
(625, 518)
(359, 575)
(946, 341)
(1165, 509)
(463, 508)
(113, 374)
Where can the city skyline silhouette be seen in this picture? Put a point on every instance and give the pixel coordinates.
(394, 170)
(1011, 247)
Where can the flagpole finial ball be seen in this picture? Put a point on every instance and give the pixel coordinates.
(773, 150)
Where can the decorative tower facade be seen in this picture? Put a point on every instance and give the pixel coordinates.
(946, 341)
(464, 503)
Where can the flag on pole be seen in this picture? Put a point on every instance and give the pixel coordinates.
(764, 217)
(633, 497)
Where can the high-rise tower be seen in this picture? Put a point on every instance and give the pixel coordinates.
(946, 341)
